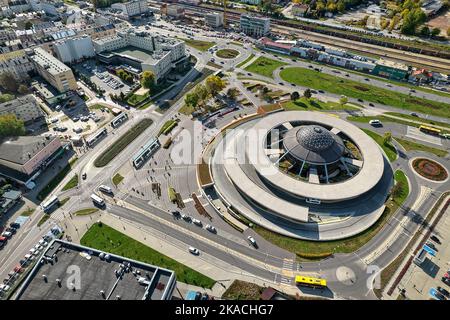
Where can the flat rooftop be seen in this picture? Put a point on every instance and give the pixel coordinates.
(133, 52)
(96, 274)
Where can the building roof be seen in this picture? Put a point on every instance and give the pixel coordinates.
(21, 149)
(49, 62)
(118, 277)
(313, 144)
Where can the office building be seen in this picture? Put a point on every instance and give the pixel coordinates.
(254, 26)
(74, 49)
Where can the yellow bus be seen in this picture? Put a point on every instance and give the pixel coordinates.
(310, 282)
(430, 130)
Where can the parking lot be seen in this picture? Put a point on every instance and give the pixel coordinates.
(421, 282)
(102, 78)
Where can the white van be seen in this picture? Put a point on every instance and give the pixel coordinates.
(375, 122)
(106, 189)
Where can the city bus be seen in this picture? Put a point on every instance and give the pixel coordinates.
(97, 200)
(117, 121)
(96, 137)
(47, 205)
(429, 130)
(310, 282)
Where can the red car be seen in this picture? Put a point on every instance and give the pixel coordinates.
(3, 239)
(446, 275)
(18, 269)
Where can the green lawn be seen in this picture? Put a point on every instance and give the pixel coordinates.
(72, 183)
(167, 127)
(105, 238)
(410, 117)
(265, 66)
(44, 218)
(56, 180)
(135, 99)
(28, 212)
(320, 81)
(410, 145)
(245, 61)
(400, 177)
(117, 179)
(85, 212)
(314, 104)
(227, 53)
(387, 148)
(198, 44)
(110, 153)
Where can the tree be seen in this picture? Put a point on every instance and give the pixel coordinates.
(343, 100)
(435, 32)
(295, 96)
(387, 137)
(232, 93)
(307, 93)
(28, 25)
(147, 79)
(192, 100)
(214, 85)
(11, 126)
(424, 32)
(341, 6)
(8, 82)
(203, 93)
(23, 89)
(448, 32)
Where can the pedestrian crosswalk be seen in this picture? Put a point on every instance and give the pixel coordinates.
(415, 133)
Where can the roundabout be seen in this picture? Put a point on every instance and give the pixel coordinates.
(302, 174)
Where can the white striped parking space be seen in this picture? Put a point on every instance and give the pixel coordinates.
(415, 133)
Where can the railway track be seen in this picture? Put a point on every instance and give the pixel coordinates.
(409, 58)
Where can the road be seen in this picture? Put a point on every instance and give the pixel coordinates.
(268, 262)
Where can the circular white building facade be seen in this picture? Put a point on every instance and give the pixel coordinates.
(303, 174)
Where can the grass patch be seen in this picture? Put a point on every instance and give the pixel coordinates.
(265, 66)
(227, 53)
(388, 148)
(28, 212)
(44, 218)
(56, 180)
(85, 212)
(117, 179)
(198, 44)
(135, 99)
(400, 196)
(105, 238)
(167, 127)
(314, 104)
(242, 290)
(321, 81)
(245, 61)
(122, 143)
(72, 183)
(410, 145)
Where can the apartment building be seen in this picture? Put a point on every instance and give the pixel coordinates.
(132, 8)
(25, 108)
(54, 71)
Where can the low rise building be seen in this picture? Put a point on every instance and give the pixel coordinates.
(143, 51)
(74, 49)
(23, 158)
(54, 71)
(391, 70)
(8, 199)
(25, 108)
(254, 26)
(18, 63)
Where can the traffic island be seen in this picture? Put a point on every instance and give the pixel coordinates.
(430, 169)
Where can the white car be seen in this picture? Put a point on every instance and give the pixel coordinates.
(210, 228)
(34, 252)
(185, 217)
(197, 222)
(4, 287)
(252, 241)
(29, 257)
(375, 122)
(194, 251)
(43, 243)
(38, 247)
(7, 234)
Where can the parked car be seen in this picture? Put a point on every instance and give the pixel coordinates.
(194, 251)
(210, 228)
(435, 239)
(7, 234)
(14, 225)
(12, 230)
(443, 291)
(197, 222)
(186, 217)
